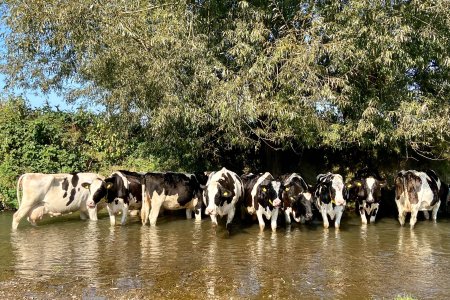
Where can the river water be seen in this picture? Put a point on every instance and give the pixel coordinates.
(66, 258)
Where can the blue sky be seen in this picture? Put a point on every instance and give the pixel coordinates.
(35, 98)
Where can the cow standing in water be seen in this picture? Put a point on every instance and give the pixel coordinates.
(365, 189)
(53, 194)
(122, 190)
(171, 191)
(329, 194)
(418, 191)
(223, 191)
(296, 197)
(262, 196)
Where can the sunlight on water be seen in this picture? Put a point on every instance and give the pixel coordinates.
(182, 258)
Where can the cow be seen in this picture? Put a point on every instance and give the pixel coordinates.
(53, 194)
(329, 194)
(417, 191)
(262, 195)
(222, 193)
(297, 198)
(170, 191)
(122, 191)
(365, 189)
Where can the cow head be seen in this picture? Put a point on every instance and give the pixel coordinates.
(97, 191)
(269, 194)
(216, 194)
(330, 188)
(366, 189)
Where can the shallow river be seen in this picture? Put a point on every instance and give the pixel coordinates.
(66, 258)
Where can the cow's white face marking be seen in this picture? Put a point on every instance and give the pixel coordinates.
(212, 191)
(276, 186)
(338, 186)
(370, 182)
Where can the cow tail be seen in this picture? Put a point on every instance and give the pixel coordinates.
(19, 183)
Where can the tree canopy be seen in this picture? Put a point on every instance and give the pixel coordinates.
(204, 78)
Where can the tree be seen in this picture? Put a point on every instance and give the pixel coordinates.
(231, 76)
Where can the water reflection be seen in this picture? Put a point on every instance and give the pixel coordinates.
(48, 252)
(177, 259)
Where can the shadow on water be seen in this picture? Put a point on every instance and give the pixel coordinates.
(192, 260)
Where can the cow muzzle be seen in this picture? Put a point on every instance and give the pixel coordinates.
(210, 211)
(276, 203)
(90, 204)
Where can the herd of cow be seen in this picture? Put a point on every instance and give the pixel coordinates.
(224, 193)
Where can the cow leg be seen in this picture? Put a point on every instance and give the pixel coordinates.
(259, 215)
(401, 213)
(124, 213)
(154, 211)
(188, 213)
(213, 220)
(339, 210)
(414, 212)
(273, 221)
(230, 219)
(362, 212)
(112, 217)
(287, 215)
(145, 210)
(19, 214)
(435, 211)
(374, 211)
(426, 214)
(302, 219)
(323, 211)
(83, 215)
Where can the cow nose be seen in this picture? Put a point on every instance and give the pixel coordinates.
(209, 211)
(90, 204)
(276, 202)
(308, 216)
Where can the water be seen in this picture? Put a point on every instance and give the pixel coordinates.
(68, 258)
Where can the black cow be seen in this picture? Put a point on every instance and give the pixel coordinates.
(365, 189)
(123, 192)
(296, 197)
(329, 194)
(171, 191)
(262, 195)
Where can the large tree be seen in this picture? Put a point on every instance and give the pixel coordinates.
(225, 75)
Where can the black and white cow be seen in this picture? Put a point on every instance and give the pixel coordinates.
(122, 191)
(171, 191)
(365, 189)
(223, 191)
(329, 194)
(417, 191)
(53, 194)
(262, 195)
(296, 197)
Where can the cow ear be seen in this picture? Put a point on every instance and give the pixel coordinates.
(86, 185)
(109, 185)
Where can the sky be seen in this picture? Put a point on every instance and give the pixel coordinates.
(35, 97)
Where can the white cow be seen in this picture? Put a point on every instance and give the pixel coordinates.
(417, 191)
(53, 194)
